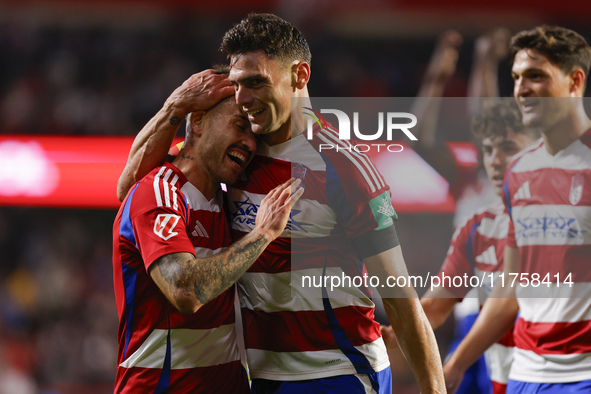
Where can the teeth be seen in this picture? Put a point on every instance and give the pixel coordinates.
(237, 155)
(255, 112)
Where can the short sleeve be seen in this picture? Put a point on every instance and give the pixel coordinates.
(458, 263)
(361, 200)
(160, 229)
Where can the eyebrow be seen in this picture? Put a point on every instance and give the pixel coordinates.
(530, 70)
(247, 78)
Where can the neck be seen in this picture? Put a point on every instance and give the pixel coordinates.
(295, 125)
(196, 174)
(567, 131)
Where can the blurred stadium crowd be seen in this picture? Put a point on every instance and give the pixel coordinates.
(58, 321)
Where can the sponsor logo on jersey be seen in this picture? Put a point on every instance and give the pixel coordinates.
(246, 214)
(165, 224)
(555, 227)
(576, 189)
(383, 212)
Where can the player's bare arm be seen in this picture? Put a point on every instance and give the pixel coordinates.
(413, 331)
(189, 282)
(200, 92)
(438, 304)
(427, 106)
(496, 317)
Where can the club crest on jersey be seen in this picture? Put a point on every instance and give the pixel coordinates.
(576, 189)
(299, 172)
(165, 224)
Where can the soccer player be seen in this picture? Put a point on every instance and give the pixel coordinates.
(470, 187)
(478, 244)
(175, 267)
(313, 340)
(548, 243)
(345, 216)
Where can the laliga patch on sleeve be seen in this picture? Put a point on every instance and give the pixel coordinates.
(165, 224)
(383, 212)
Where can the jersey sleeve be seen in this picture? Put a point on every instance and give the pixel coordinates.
(510, 240)
(458, 262)
(160, 225)
(362, 202)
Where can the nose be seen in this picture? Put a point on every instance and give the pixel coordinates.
(520, 89)
(496, 159)
(243, 96)
(249, 142)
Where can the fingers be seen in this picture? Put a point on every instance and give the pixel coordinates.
(284, 188)
(295, 196)
(202, 91)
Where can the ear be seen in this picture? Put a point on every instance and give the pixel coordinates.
(300, 74)
(577, 81)
(197, 120)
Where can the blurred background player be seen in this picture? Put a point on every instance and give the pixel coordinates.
(477, 246)
(175, 267)
(548, 242)
(470, 187)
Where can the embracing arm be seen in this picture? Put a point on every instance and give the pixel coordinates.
(189, 282)
(200, 92)
(412, 329)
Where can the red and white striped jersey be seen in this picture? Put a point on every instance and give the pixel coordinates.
(297, 330)
(549, 201)
(160, 349)
(477, 249)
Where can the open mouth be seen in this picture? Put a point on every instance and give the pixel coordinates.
(238, 157)
(528, 104)
(252, 114)
(497, 179)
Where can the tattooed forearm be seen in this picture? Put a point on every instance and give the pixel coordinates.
(175, 121)
(228, 267)
(189, 283)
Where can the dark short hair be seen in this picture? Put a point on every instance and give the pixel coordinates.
(221, 68)
(564, 47)
(267, 32)
(497, 117)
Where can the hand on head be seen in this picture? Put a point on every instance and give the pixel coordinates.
(200, 92)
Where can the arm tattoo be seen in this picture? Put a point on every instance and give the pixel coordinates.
(206, 278)
(175, 121)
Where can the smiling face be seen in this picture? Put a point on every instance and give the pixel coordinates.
(498, 152)
(226, 143)
(263, 91)
(538, 83)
